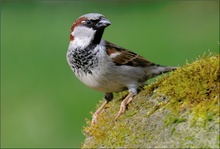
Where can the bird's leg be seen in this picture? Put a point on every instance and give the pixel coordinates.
(108, 97)
(124, 103)
(95, 115)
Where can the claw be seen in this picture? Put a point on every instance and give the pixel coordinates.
(124, 103)
(96, 114)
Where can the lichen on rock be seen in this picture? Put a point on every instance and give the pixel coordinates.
(179, 110)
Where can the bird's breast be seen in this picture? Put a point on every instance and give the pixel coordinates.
(82, 61)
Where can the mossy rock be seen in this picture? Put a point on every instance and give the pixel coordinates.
(179, 110)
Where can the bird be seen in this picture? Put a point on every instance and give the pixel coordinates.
(105, 66)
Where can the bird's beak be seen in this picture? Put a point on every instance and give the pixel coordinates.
(103, 23)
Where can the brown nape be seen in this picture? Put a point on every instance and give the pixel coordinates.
(76, 23)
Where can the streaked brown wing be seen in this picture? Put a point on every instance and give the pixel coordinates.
(121, 56)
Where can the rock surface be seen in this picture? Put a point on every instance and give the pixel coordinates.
(179, 110)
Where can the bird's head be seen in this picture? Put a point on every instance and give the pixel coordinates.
(89, 28)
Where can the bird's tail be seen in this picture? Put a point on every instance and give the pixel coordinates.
(155, 70)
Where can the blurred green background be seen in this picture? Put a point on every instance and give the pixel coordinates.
(42, 102)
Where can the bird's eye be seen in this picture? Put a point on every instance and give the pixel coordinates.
(88, 22)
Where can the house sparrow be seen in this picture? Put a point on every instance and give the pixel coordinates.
(104, 66)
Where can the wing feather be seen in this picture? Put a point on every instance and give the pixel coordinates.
(121, 56)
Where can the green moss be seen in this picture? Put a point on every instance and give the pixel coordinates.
(194, 87)
(218, 138)
(172, 119)
(178, 110)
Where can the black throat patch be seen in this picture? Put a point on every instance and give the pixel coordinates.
(83, 60)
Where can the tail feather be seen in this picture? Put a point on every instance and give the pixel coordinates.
(157, 70)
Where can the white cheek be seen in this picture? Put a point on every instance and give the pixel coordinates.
(83, 35)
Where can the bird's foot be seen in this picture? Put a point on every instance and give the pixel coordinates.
(96, 114)
(124, 103)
